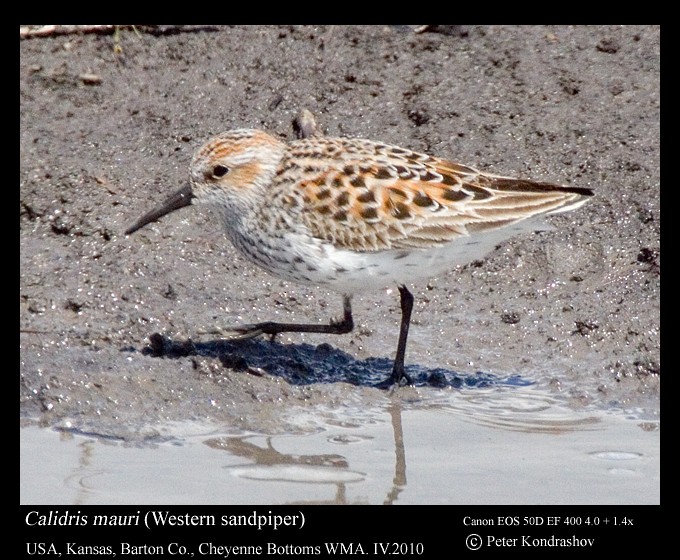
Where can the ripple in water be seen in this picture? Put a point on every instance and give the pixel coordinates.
(522, 410)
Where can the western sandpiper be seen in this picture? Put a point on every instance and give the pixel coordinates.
(355, 214)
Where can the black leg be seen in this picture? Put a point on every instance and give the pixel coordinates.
(398, 371)
(342, 326)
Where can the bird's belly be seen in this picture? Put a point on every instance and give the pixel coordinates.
(316, 262)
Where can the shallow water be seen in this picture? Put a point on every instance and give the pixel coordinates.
(497, 445)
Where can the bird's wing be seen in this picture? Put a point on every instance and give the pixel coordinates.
(369, 196)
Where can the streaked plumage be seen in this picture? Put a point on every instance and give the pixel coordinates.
(355, 214)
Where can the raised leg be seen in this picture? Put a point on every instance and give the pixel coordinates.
(342, 326)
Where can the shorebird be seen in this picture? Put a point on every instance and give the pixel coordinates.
(353, 215)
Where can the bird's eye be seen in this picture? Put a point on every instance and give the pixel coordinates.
(220, 171)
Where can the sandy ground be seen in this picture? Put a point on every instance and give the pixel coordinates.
(109, 124)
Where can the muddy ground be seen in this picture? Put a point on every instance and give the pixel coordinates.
(108, 127)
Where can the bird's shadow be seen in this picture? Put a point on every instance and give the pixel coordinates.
(304, 364)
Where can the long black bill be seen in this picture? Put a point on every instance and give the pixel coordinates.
(178, 200)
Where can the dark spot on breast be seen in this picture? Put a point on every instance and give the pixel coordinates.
(340, 216)
(398, 192)
(323, 194)
(337, 182)
(323, 209)
(368, 196)
(348, 170)
(286, 168)
(290, 201)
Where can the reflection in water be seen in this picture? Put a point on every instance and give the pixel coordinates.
(529, 411)
(272, 465)
(240, 447)
(399, 480)
(269, 464)
(80, 476)
(586, 454)
(590, 449)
